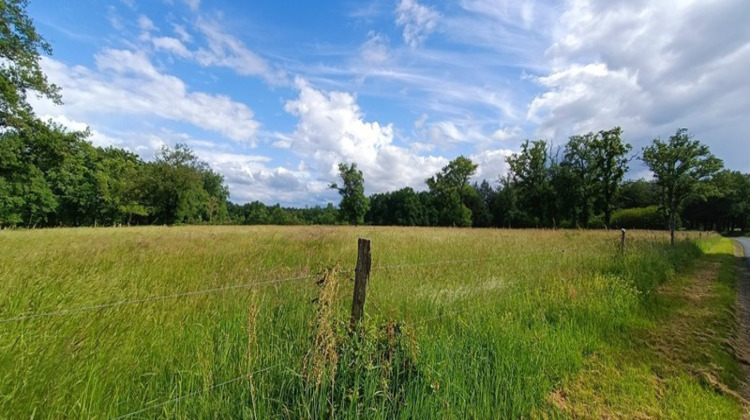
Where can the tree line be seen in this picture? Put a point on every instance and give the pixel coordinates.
(52, 177)
(578, 185)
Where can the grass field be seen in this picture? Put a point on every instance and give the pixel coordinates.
(198, 322)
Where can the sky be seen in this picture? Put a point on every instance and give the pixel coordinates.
(275, 94)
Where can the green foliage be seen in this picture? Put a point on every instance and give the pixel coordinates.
(52, 177)
(611, 164)
(679, 165)
(399, 208)
(354, 204)
(638, 193)
(639, 218)
(576, 178)
(530, 174)
(450, 190)
(590, 174)
(723, 204)
(179, 188)
(478, 200)
(20, 72)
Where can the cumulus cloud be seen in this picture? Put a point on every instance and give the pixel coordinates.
(126, 83)
(332, 129)
(650, 67)
(491, 165)
(417, 20)
(254, 178)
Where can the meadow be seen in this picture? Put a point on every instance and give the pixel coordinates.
(251, 322)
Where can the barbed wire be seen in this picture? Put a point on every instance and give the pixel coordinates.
(196, 393)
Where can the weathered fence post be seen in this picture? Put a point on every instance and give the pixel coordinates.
(622, 241)
(361, 277)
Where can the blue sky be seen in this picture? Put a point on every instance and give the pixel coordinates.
(274, 94)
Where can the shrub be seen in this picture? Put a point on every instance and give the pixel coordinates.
(639, 218)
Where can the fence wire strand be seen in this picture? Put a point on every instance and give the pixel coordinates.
(223, 289)
(149, 299)
(196, 393)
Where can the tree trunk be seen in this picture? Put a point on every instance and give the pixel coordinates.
(671, 228)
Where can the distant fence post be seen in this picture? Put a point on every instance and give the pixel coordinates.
(361, 277)
(622, 241)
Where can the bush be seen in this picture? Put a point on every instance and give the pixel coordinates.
(639, 218)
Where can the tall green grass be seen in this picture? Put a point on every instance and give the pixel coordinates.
(459, 323)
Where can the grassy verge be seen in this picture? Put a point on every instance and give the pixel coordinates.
(676, 360)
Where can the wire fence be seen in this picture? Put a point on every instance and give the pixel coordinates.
(77, 310)
(177, 399)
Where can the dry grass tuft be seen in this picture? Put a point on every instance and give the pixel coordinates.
(322, 358)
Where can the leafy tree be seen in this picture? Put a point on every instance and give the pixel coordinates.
(20, 72)
(576, 177)
(175, 188)
(117, 173)
(354, 204)
(610, 163)
(397, 208)
(478, 200)
(38, 169)
(450, 188)
(637, 193)
(678, 166)
(505, 206)
(530, 174)
(724, 206)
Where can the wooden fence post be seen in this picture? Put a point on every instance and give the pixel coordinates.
(622, 241)
(361, 277)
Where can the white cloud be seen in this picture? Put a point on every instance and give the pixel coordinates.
(125, 84)
(508, 134)
(650, 67)
(193, 4)
(146, 24)
(375, 49)
(417, 20)
(225, 50)
(491, 165)
(182, 33)
(419, 123)
(172, 45)
(253, 178)
(332, 129)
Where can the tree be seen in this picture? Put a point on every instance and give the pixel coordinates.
(678, 166)
(724, 206)
(505, 210)
(611, 164)
(20, 72)
(180, 188)
(530, 175)
(354, 204)
(638, 193)
(450, 187)
(576, 178)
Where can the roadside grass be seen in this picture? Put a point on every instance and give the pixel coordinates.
(459, 323)
(677, 360)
